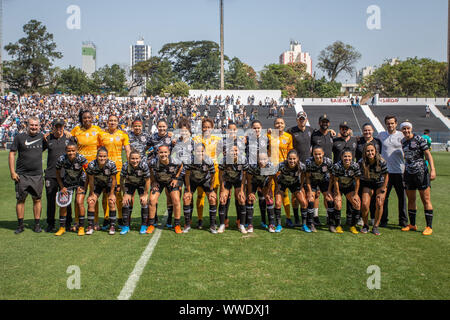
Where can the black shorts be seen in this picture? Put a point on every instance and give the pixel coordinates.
(322, 186)
(417, 181)
(296, 187)
(100, 188)
(230, 184)
(347, 190)
(205, 185)
(260, 184)
(131, 189)
(161, 187)
(370, 185)
(29, 185)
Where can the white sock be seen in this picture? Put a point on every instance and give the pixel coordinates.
(316, 212)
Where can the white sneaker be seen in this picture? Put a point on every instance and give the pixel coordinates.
(187, 228)
(221, 228)
(90, 230)
(250, 229)
(242, 229)
(112, 230)
(213, 230)
(360, 222)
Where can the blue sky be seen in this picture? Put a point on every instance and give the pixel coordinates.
(256, 31)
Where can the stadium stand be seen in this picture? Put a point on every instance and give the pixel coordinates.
(416, 115)
(337, 114)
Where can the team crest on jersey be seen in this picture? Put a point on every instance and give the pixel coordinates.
(67, 142)
(350, 172)
(117, 138)
(171, 169)
(309, 133)
(324, 169)
(204, 167)
(354, 145)
(168, 140)
(139, 172)
(77, 166)
(107, 172)
(143, 139)
(283, 141)
(87, 134)
(413, 144)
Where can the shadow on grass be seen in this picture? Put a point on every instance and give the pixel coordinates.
(12, 225)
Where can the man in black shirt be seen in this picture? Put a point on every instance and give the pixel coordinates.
(345, 141)
(56, 143)
(301, 137)
(28, 171)
(323, 137)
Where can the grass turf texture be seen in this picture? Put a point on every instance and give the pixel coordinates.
(199, 265)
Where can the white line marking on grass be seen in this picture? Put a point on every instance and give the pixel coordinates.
(133, 279)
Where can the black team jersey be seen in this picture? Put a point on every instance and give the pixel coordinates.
(255, 145)
(155, 141)
(289, 176)
(414, 153)
(375, 173)
(235, 171)
(73, 170)
(260, 175)
(200, 170)
(319, 172)
(140, 142)
(346, 177)
(164, 173)
(135, 176)
(102, 176)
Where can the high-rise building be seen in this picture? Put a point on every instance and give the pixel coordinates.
(139, 52)
(364, 72)
(295, 54)
(89, 57)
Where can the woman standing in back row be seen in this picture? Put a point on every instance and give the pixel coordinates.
(417, 176)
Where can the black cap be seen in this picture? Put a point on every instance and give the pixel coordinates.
(344, 125)
(323, 117)
(58, 122)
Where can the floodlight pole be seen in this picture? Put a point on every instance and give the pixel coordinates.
(448, 50)
(222, 80)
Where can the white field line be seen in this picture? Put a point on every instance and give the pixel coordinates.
(133, 279)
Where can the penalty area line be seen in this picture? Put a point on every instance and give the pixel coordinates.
(133, 279)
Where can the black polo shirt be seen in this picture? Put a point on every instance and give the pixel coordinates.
(302, 141)
(325, 141)
(339, 144)
(56, 148)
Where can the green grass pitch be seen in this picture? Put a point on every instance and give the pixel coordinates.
(199, 265)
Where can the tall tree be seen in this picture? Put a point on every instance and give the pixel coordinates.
(283, 77)
(110, 79)
(33, 55)
(196, 62)
(73, 81)
(240, 76)
(338, 57)
(413, 77)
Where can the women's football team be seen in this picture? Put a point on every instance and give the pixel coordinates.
(183, 163)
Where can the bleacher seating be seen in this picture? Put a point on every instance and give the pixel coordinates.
(416, 115)
(337, 114)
